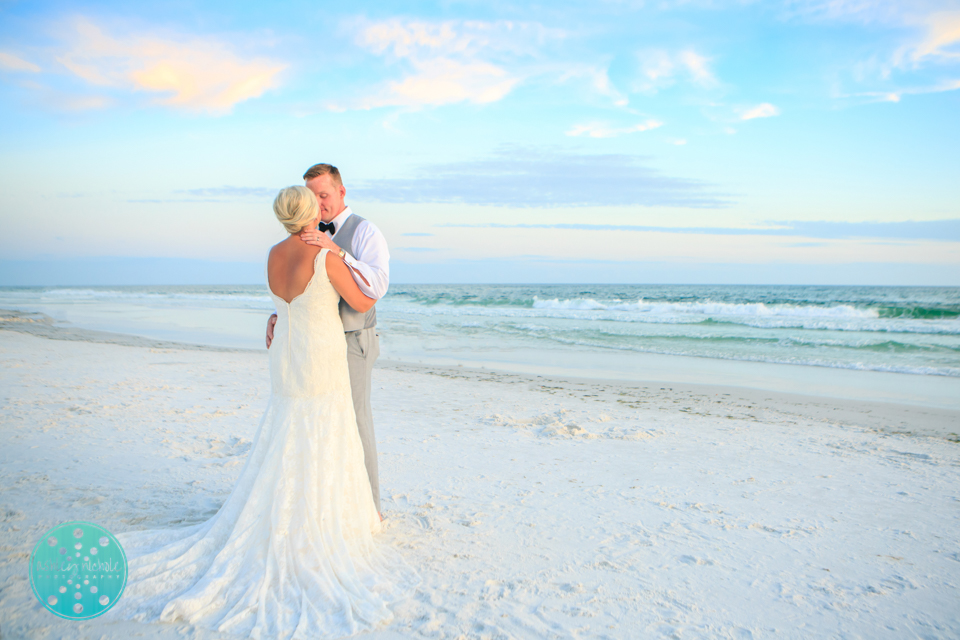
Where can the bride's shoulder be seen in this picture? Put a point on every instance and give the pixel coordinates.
(280, 249)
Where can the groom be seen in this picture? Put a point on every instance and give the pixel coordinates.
(361, 245)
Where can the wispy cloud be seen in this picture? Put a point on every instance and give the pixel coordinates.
(865, 11)
(660, 68)
(696, 66)
(938, 42)
(764, 110)
(171, 200)
(522, 177)
(444, 81)
(450, 61)
(10, 62)
(231, 192)
(212, 195)
(598, 130)
(868, 12)
(946, 230)
(925, 57)
(66, 100)
(598, 79)
(411, 38)
(197, 74)
(898, 94)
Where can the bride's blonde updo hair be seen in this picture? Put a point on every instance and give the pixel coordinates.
(296, 207)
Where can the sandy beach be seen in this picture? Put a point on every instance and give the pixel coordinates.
(651, 309)
(532, 506)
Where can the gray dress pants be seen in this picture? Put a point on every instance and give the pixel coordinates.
(363, 347)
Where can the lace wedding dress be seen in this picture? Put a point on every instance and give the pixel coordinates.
(291, 553)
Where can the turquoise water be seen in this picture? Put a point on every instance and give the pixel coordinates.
(913, 330)
(901, 329)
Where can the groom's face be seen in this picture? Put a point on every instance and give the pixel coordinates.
(329, 195)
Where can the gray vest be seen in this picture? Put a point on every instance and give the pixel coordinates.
(352, 320)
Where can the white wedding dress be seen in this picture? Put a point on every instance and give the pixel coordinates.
(291, 553)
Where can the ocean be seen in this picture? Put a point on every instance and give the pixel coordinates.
(912, 330)
(904, 330)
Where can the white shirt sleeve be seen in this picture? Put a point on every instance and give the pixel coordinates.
(371, 259)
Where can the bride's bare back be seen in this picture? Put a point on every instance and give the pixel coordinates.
(290, 269)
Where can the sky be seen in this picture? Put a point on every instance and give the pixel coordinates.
(687, 141)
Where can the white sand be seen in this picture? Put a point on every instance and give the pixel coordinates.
(531, 507)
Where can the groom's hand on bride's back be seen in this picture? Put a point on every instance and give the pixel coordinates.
(271, 323)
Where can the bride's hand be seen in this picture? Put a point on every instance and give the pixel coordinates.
(318, 239)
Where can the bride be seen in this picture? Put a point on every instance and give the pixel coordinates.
(291, 553)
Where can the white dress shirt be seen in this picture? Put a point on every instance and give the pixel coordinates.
(368, 256)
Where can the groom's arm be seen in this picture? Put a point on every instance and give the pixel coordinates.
(370, 264)
(369, 261)
(271, 323)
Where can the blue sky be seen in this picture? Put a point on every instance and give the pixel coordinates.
(800, 141)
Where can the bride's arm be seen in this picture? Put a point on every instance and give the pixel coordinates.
(343, 282)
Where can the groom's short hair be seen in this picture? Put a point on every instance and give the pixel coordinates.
(323, 169)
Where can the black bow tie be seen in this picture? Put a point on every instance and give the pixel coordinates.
(327, 226)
